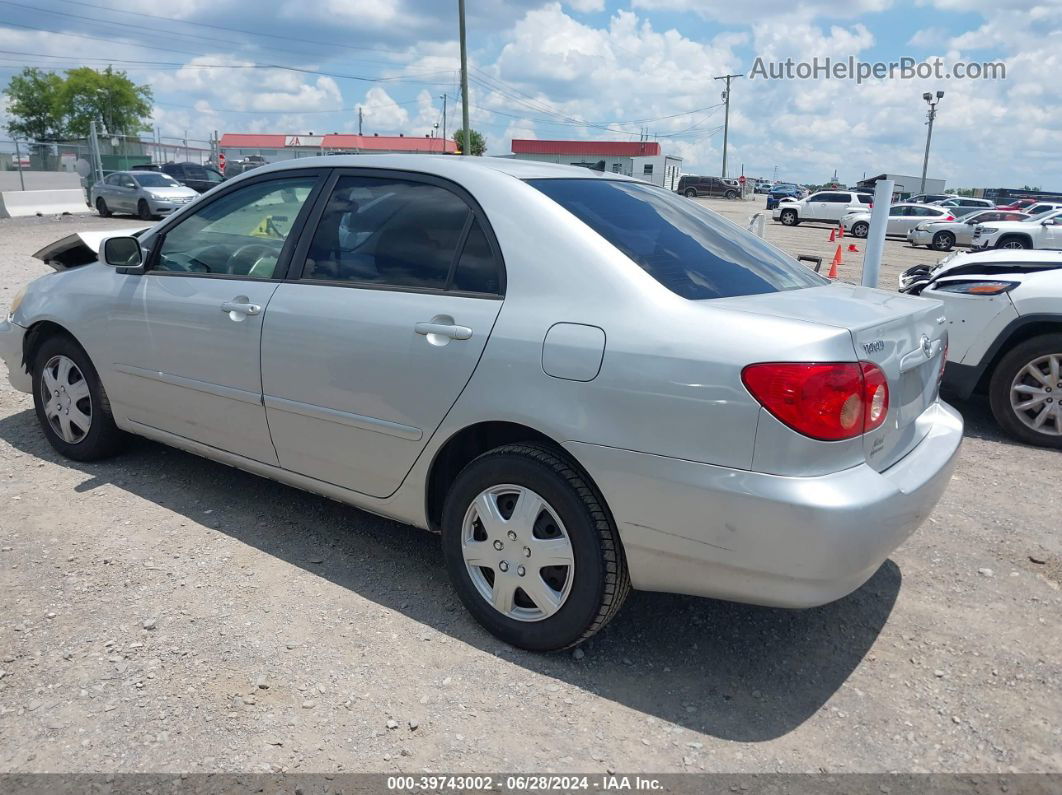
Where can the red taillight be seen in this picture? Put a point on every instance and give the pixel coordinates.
(831, 401)
(949, 218)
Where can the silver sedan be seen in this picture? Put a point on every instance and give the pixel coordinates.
(147, 194)
(585, 383)
(945, 235)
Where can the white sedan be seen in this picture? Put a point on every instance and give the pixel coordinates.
(902, 219)
(1004, 320)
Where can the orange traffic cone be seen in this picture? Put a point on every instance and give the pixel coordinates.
(833, 236)
(833, 265)
(852, 248)
(840, 230)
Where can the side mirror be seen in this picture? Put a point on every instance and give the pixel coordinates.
(122, 252)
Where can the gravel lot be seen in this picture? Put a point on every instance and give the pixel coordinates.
(164, 613)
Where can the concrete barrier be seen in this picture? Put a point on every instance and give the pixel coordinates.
(19, 203)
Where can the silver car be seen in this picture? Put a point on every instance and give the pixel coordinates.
(902, 218)
(584, 382)
(945, 235)
(147, 194)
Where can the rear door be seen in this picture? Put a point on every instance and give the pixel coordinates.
(396, 286)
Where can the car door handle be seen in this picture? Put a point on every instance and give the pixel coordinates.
(241, 308)
(444, 330)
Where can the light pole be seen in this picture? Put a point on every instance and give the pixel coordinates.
(726, 115)
(932, 101)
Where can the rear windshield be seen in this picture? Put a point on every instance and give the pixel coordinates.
(688, 249)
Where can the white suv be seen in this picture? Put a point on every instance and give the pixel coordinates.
(1003, 310)
(826, 205)
(1040, 231)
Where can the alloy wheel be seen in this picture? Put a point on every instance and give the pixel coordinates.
(66, 398)
(1035, 393)
(517, 553)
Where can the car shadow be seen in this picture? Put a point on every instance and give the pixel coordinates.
(736, 672)
(978, 421)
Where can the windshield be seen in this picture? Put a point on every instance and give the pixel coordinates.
(688, 249)
(152, 179)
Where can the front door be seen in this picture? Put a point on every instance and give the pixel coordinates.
(187, 336)
(366, 352)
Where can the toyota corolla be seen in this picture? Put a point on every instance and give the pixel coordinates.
(585, 383)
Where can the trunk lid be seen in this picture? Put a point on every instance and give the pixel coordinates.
(903, 335)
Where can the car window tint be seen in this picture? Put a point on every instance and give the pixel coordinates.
(386, 231)
(477, 270)
(690, 250)
(239, 234)
(865, 198)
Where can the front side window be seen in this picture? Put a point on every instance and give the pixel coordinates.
(399, 233)
(240, 234)
(688, 249)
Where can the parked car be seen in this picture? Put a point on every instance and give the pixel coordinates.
(1004, 317)
(945, 235)
(1018, 204)
(1042, 207)
(715, 187)
(336, 324)
(763, 187)
(828, 205)
(902, 219)
(783, 191)
(198, 178)
(147, 194)
(926, 198)
(958, 202)
(1043, 230)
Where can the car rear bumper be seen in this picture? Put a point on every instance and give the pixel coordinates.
(11, 338)
(764, 539)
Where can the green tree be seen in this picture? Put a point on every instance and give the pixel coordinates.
(479, 143)
(107, 96)
(34, 105)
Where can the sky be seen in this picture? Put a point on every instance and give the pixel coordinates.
(591, 69)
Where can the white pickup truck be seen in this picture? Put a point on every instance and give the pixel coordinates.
(1041, 231)
(826, 205)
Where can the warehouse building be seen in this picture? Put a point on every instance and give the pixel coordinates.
(272, 148)
(906, 185)
(641, 159)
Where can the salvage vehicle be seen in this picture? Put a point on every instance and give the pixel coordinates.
(611, 387)
(945, 235)
(902, 218)
(1043, 230)
(1004, 311)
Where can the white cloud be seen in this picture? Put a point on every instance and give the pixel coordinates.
(382, 114)
(766, 9)
(586, 6)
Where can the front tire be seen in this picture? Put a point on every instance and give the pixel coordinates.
(143, 211)
(860, 229)
(789, 218)
(70, 403)
(730, 194)
(943, 241)
(1025, 390)
(1014, 242)
(531, 550)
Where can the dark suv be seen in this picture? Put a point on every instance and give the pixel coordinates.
(198, 178)
(708, 186)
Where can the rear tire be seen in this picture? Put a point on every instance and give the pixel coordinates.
(789, 218)
(143, 211)
(67, 395)
(101, 208)
(691, 193)
(580, 598)
(730, 194)
(860, 229)
(1014, 382)
(943, 241)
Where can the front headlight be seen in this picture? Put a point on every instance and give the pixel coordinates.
(16, 301)
(922, 228)
(985, 230)
(975, 287)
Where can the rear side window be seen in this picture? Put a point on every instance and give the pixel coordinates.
(865, 198)
(688, 249)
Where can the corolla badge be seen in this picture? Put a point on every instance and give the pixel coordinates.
(877, 346)
(927, 346)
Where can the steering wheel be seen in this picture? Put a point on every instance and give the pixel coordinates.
(246, 259)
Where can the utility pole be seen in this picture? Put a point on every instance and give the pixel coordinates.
(726, 115)
(466, 147)
(18, 157)
(444, 122)
(94, 151)
(929, 98)
(359, 119)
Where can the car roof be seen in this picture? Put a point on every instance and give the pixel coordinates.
(1012, 255)
(445, 166)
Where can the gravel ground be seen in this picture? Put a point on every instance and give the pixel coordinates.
(165, 613)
